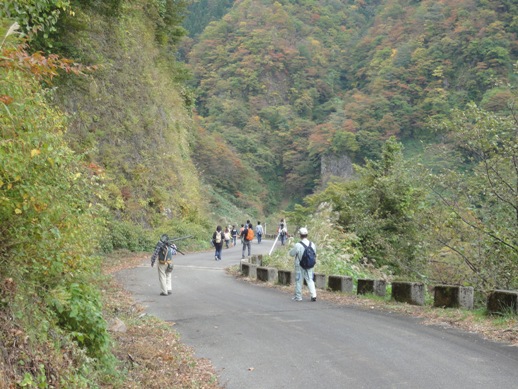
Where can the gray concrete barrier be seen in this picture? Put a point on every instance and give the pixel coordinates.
(408, 292)
(267, 274)
(376, 287)
(342, 284)
(257, 260)
(248, 270)
(502, 301)
(452, 296)
(286, 277)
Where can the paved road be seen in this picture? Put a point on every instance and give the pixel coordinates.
(258, 338)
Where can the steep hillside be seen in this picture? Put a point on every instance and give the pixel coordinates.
(132, 115)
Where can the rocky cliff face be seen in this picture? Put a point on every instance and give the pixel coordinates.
(339, 166)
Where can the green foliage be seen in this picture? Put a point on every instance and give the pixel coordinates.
(78, 310)
(481, 199)
(43, 188)
(35, 16)
(379, 207)
(119, 235)
(48, 231)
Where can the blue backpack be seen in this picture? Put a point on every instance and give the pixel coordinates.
(309, 258)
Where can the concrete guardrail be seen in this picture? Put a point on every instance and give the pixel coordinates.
(446, 296)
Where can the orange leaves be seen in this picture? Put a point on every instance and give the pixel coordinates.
(4, 99)
(39, 65)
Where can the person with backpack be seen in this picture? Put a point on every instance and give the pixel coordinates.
(305, 253)
(164, 251)
(247, 236)
(217, 240)
(259, 232)
(227, 237)
(233, 234)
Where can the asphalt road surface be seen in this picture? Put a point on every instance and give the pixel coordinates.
(257, 337)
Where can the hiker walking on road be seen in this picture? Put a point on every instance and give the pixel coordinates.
(301, 273)
(217, 239)
(164, 251)
(233, 234)
(247, 235)
(259, 232)
(227, 237)
(282, 231)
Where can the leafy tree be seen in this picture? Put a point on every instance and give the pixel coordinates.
(380, 207)
(481, 198)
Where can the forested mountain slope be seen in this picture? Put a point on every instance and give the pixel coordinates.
(288, 82)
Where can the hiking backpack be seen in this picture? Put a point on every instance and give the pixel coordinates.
(165, 249)
(162, 253)
(309, 257)
(250, 234)
(218, 237)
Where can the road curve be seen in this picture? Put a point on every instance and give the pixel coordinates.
(257, 338)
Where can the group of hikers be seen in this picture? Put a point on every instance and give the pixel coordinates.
(246, 234)
(304, 253)
(229, 237)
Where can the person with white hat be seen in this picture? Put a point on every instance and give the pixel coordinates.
(300, 272)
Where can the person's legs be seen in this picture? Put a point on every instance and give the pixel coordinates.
(308, 276)
(168, 282)
(162, 278)
(249, 244)
(244, 248)
(298, 285)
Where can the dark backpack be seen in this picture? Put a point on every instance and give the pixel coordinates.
(162, 254)
(309, 258)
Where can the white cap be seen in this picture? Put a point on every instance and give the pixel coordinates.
(303, 231)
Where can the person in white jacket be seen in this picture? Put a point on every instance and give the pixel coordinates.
(303, 274)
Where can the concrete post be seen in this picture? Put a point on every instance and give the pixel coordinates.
(408, 292)
(376, 287)
(286, 277)
(267, 274)
(453, 296)
(502, 301)
(340, 284)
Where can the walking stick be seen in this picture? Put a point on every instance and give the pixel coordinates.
(276, 239)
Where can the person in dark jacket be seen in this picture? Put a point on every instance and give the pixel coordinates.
(164, 251)
(217, 239)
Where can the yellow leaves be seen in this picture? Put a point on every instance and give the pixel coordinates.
(18, 211)
(39, 207)
(35, 152)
